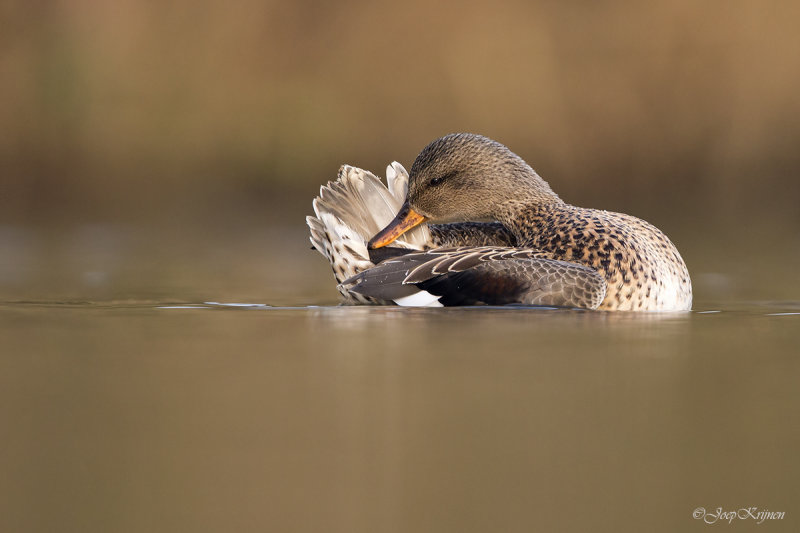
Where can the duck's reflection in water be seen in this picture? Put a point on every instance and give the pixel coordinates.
(467, 329)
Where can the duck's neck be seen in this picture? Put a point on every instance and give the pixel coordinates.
(527, 214)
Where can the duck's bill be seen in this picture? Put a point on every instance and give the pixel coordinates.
(406, 219)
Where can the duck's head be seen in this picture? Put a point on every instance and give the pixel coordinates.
(463, 177)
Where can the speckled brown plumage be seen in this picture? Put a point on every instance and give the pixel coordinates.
(544, 251)
(641, 266)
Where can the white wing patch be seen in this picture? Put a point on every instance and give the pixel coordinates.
(419, 299)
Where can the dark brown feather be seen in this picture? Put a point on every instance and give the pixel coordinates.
(486, 275)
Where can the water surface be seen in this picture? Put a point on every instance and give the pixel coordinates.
(198, 416)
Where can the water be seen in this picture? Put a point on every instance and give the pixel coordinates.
(212, 417)
(170, 412)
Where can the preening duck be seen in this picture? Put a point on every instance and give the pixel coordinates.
(473, 223)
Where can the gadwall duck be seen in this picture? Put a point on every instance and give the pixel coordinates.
(474, 224)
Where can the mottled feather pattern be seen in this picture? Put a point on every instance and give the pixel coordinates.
(641, 266)
(539, 250)
(349, 210)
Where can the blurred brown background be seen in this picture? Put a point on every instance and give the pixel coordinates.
(203, 122)
(167, 152)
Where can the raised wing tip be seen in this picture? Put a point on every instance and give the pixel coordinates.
(395, 169)
(398, 168)
(397, 180)
(343, 170)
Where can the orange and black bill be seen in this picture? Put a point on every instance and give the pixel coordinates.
(406, 219)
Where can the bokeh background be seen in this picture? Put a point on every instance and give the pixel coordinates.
(154, 153)
(171, 150)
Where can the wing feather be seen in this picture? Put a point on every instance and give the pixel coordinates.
(484, 275)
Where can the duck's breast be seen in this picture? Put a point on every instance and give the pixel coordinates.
(642, 267)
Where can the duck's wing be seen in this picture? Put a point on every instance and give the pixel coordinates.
(481, 275)
(359, 201)
(349, 211)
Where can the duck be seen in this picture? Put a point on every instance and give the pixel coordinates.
(473, 224)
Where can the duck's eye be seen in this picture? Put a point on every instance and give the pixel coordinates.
(438, 180)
